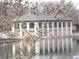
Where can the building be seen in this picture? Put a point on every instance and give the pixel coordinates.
(54, 34)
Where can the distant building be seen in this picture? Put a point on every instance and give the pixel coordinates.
(55, 33)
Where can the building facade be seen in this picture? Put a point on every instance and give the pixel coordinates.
(54, 34)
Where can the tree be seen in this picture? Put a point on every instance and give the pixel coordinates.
(9, 11)
(62, 8)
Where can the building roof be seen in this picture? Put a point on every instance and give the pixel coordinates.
(40, 17)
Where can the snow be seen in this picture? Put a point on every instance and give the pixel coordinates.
(6, 35)
(2, 35)
(76, 57)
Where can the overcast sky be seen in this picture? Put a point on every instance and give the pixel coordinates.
(76, 2)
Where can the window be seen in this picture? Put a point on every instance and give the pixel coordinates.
(24, 25)
(17, 26)
(68, 24)
(31, 25)
(40, 25)
(59, 24)
(55, 25)
(50, 25)
(45, 25)
(64, 24)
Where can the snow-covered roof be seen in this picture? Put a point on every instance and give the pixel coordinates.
(41, 17)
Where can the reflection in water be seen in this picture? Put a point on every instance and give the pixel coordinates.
(56, 46)
(53, 57)
(5, 51)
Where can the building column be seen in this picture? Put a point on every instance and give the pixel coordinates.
(62, 28)
(43, 46)
(20, 25)
(35, 26)
(67, 40)
(67, 44)
(28, 27)
(13, 28)
(58, 45)
(71, 43)
(48, 46)
(62, 45)
(43, 28)
(53, 37)
(43, 39)
(66, 28)
(48, 38)
(71, 28)
(71, 36)
(36, 33)
(57, 36)
(48, 29)
(62, 35)
(53, 29)
(14, 51)
(53, 45)
(57, 29)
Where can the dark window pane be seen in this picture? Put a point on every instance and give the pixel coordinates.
(64, 24)
(45, 25)
(40, 25)
(55, 25)
(31, 25)
(17, 26)
(50, 25)
(24, 25)
(59, 24)
(68, 24)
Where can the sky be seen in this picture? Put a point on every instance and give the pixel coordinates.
(75, 2)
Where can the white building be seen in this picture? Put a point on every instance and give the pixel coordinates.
(55, 34)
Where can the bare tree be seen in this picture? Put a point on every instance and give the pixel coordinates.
(9, 11)
(62, 8)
